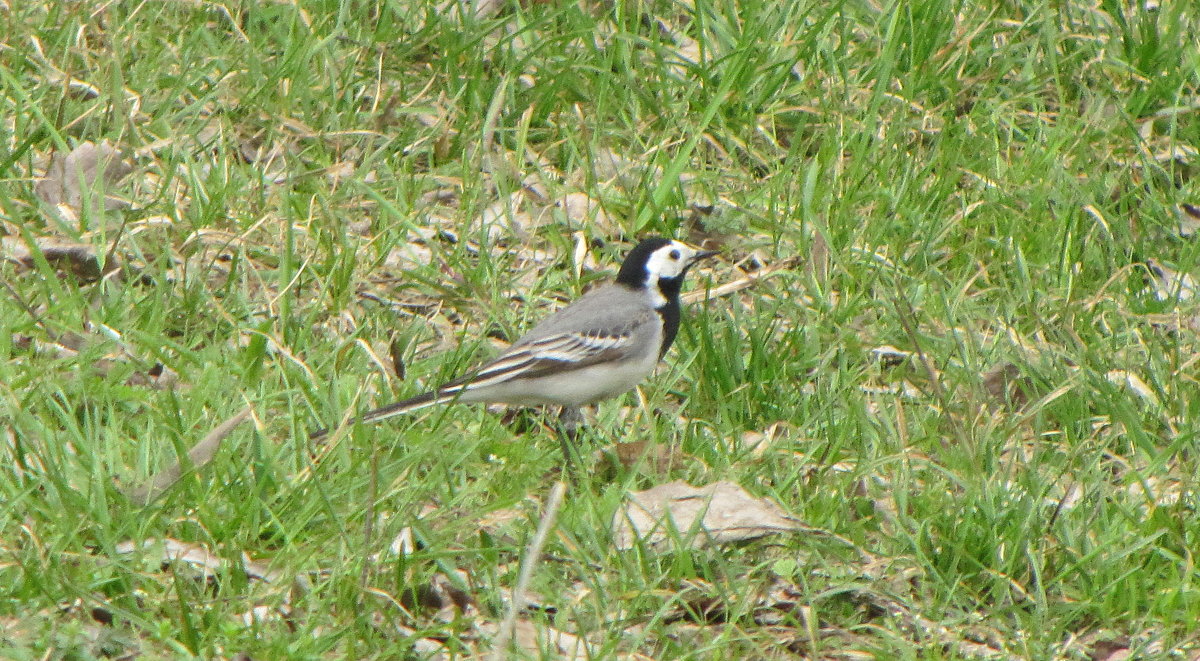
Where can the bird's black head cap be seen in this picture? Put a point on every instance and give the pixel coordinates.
(633, 269)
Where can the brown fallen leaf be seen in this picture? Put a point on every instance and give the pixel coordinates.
(758, 443)
(84, 168)
(656, 457)
(718, 513)
(69, 345)
(819, 261)
(78, 259)
(443, 595)
(1006, 385)
(1115, 649)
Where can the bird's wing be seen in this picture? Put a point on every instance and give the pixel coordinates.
(561, 352)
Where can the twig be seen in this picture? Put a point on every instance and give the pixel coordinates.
(739, 284)
(532, 555)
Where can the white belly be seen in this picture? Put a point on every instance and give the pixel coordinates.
(574, 388)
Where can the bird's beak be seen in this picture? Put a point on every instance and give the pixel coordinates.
(704, 254)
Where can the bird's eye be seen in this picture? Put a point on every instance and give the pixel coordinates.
(674, 254)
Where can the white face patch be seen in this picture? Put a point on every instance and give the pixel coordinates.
(669, 261)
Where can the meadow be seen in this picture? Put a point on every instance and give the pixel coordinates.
(950, 342)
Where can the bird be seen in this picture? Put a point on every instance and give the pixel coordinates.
(600, 346)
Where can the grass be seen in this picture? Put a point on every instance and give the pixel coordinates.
(975, 185)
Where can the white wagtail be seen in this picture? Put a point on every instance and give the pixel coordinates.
(600, 346)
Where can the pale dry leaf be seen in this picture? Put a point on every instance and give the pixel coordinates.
(584, 212)
(507, 218)
(196, 555)
(1134, 383)
(402, 544)
(1109, 648)
(170, 550)
(1189, 219)
(535, 639)
(890, 356)
(611, 168)
(473, 9)
(1169, 284)
(1161, 491)
(339, 171)
(260, 615)
(1178, 153)
(86, 167)
(758, 443)
(428, 649)
(718, 513)
(905, 389)
(408, 256)
(494, 520)
(819, 260)
(688, 51)
(209, 564)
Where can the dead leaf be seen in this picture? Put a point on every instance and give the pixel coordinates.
(759, 442)
(1006, 385)
(69, 345)
(773, 604)
(657, 457)
(212, 565)
(396, 351)
(536, 639)
(474, 9)
(718, 513)
(1116, 649)
(198, 556)
(1135, 384)
(819, 260)
(443, 595)
(84, 168)
(611, 168)
(1189, 220)
(1171, 284)
(79, 259)
(584, 212)
(890, 356)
